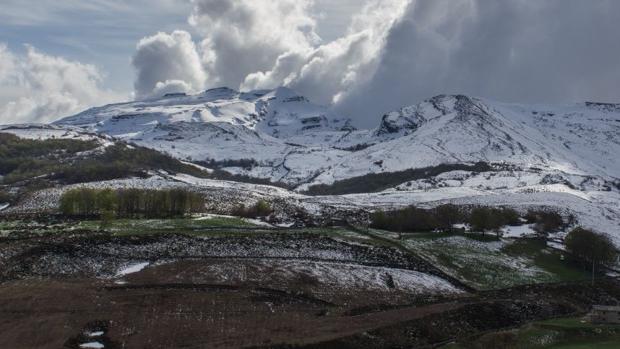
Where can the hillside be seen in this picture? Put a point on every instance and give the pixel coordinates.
(291, 140)
(450, 148)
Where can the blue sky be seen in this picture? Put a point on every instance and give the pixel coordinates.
(105, 32)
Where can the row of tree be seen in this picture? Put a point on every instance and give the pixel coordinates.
(130, 203)
(376, 182)
(414, 219)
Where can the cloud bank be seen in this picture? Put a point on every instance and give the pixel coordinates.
(517, 50)
(398, 52)
(35, 87)
(394, 53)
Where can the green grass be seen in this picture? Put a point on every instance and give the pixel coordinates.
(564, 333)
(568, 333)
(486, 263)
(211, 226)
(560, 264)
(8, 227)
(178, 225)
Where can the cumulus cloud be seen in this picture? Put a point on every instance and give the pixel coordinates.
(395, 52)
(327, 72)
(517, 50)
(241, 37)
(35, 87)
(167, 63)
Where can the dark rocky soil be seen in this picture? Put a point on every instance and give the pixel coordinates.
(60, 291)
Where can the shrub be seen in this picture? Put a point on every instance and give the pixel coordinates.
(413, 219)
(545, 222)
(260, 209)
(590, 247)
(484, 218)
(5, 197)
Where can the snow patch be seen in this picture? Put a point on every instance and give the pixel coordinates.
(92, 345)
(134, 268)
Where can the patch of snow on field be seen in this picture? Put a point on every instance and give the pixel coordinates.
(356, 276)
(257, 222)
(518, 231)
(133, 268)
(3, 206)
(333, 275)
(92, 345)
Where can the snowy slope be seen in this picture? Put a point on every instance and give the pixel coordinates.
(278, 113)
(292, 140)
(43, 132)
(564, 157)
(542, 155)
(579, 139)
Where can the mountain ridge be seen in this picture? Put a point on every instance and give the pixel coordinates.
(446, 149)
(292, 139)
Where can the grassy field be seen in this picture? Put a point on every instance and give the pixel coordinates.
(138, 226)
(131, 226)
(212, 225)
(566, 333)
(485, 262)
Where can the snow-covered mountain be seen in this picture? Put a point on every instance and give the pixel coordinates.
(558, 156)
(278, 113)
(580, 139)
(288, 139)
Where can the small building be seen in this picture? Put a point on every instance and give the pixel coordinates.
(605, 314)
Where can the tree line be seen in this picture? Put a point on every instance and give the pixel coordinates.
(481, 219)
(64, 161)
(130, 203)
(376, 182)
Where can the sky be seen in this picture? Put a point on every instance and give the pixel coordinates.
(362, 57)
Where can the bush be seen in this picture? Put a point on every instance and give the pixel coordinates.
(6, 197)
(413, 219)
(260, 209)
(484, 218)
(130, 203)
(545, 222)
(590, 247)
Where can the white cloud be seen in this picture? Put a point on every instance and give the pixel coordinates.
(265, 44)
(35, 87)
(241, 37)
(399, 52)
(164, 62)
(514, 50)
